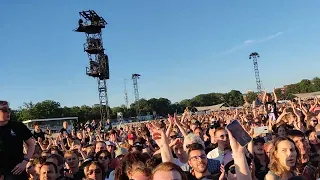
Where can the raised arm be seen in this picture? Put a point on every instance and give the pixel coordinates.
(264, 97)
(162, 140)
(242, 168)
(275, 95)
(179, 125)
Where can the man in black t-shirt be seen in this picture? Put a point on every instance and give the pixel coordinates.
(270, 105)
(12, 135)
(38, 133)
(65, 128)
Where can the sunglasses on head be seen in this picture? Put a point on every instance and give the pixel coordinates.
(96, 171)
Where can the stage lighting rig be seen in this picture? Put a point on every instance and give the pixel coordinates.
(92, 24)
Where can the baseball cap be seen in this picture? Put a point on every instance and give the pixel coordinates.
(121, 151)
(259, 140)
(137, 144)
(109, 143)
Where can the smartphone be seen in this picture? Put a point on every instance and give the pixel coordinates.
(239, 133)
(261, 130)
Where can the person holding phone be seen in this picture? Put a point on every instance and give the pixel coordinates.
(242, 166)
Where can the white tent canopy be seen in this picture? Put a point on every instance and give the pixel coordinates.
(216, 107)
(308, 95)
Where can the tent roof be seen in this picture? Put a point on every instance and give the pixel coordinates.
(211, 108)
(308, 95)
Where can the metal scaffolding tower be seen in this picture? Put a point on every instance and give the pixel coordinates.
(91, 24)
(135, 78)
(126, 94)
(255, 57)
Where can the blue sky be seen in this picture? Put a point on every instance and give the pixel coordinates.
(181, 48)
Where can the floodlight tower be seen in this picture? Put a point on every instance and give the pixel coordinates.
(135, 78)
(126, 94)
(254, 56)
(92, 24)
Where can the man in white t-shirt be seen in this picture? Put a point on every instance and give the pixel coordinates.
(222, 139)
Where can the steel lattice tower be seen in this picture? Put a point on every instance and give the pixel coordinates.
(91, 24)
(135, 78)
(254, 56)
(126, 94)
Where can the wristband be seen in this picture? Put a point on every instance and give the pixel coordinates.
(26, 159)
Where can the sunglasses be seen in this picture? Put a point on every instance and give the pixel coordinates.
(203, 156)
(71, 159)
(103, 157)
(96, 171)
(232, 170)
(173, 136)
(224, 136)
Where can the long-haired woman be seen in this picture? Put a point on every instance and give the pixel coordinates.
(283, 159)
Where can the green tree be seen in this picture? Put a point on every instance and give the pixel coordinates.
(251, 96)
(305, 86)
(316, 83)
(185, 103)
(280, 94)
(47, 109)
(234, 98)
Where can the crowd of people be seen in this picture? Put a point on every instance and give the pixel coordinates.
(185, 147)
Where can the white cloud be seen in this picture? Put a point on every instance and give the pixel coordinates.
(252, 41)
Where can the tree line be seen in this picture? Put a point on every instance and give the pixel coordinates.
(162, 106)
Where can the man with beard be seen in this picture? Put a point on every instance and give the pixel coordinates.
(13, 161)
(304, 167)
(199, 163)
(222, 139)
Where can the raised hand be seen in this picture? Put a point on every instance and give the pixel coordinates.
(235, 146)
(158, 135)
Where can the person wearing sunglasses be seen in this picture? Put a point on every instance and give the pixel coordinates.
(95, 171)
(229, 166)
(104, 158)
(13, 134)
